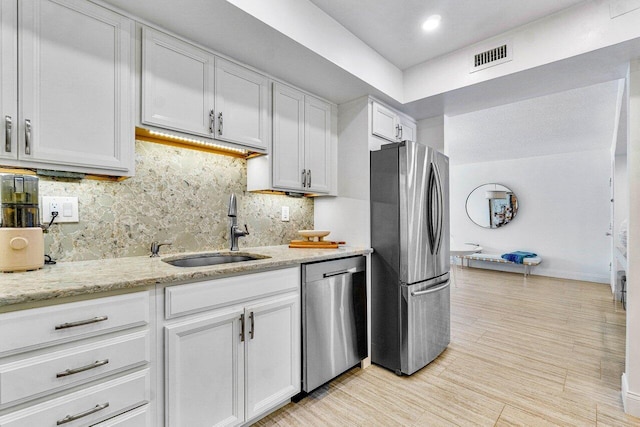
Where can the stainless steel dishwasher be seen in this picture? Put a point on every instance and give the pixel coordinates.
(334, 319)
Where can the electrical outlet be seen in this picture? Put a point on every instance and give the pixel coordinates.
(285, 213)
(67, 208)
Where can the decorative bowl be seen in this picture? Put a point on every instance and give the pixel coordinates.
(314, 235)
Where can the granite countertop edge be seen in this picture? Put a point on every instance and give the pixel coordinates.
(78, 278)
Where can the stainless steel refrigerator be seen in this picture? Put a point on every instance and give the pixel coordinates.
(410, 299)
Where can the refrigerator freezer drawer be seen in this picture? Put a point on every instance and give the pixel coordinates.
(425, 328)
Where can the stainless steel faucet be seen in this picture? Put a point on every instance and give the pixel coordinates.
(235, 231)
(155, 248)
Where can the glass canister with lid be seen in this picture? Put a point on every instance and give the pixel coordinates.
(19, 197)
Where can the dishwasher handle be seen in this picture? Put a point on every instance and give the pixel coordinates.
(340, 272)
(431, 290)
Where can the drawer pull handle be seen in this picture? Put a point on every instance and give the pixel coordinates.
(82, 322)
(242, 327)
(93, 365)
(93, 410)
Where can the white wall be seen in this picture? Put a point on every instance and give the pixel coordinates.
(563, 211)
(621, 195)
(431, 132)
(631, 377)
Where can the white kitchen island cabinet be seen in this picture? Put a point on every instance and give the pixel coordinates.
(190, 90)
(232, 348)
(69, 106)
(301, 142)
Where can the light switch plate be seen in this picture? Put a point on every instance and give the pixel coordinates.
(67, 208)
(285, 213)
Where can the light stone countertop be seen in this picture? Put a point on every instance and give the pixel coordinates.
(73, 279)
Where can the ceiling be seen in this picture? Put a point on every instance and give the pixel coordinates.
(393, 27)
(566, 106)
(575, 120)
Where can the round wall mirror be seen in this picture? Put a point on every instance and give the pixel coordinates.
(492, 205)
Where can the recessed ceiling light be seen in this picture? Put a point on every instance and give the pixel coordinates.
(431, 23)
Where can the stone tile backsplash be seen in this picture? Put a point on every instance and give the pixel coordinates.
(177, 195)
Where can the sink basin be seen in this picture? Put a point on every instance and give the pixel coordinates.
(202, 260)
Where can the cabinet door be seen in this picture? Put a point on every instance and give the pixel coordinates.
(177, 84)
(273, 353)
(204, 371)
(241, 114)
(288, 138)
(75, 85)
(407, 130)
(317, 151)
(384, 123)
(8, 79)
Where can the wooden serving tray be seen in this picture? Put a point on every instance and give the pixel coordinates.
(323, 244)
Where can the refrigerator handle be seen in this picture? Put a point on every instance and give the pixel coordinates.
(430, 211)
(435, 210)
(439, 208)
(430, 290)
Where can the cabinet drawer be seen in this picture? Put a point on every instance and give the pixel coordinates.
(55, 371)
(139, 417)
(42, 327)
(87, 406)
(211, 294)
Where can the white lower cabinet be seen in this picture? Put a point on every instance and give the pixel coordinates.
(76, 364)
(204, 371)
(231, 365)
(87, 406)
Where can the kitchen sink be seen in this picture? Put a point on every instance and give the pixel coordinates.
(202, 260)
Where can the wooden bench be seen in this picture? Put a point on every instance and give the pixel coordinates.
(527, 262)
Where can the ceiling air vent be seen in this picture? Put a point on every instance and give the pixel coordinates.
(491, 57)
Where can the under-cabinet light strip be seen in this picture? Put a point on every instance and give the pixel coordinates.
(197, 141)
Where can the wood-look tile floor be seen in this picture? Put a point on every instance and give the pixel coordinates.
(530, 352)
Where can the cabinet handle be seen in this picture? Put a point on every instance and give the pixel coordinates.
(212, 121)
(251, 331)
(72, 371)
(309, 178)
(242, 327)
(93, 410)
(220, 123)
(82, 322)
(27, 136)
(397, 131)
(304, 178)
(7, 133)
(400, 127)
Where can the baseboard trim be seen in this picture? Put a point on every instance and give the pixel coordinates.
(630, 400)
(541, 271)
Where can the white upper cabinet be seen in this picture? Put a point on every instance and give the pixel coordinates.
(387, 124)
(408, 129)
(187, 89)
(317, 147)
(241, 108)
(301, 141)
(288, 138)
(75, 87)
(9, 79)
(384, 122)
(177, 84)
